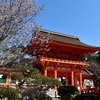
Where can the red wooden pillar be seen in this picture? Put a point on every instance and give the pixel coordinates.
(76, 80)
(80, 76)
(72, 76)
(45, 65)
(55, 77)
(55, 70)
(45, 71)
(50, 74)
(55, 74)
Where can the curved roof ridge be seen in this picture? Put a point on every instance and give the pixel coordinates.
(67, 39)
(88, 44)
(61, 34)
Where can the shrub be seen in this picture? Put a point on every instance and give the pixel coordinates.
(66, 91)
(10, 93)
(97, 82)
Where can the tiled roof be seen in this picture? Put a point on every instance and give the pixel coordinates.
(66, 39)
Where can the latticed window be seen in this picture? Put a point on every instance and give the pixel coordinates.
(13, 80)
(3, 79)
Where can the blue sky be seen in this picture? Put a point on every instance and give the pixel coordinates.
(79, 18)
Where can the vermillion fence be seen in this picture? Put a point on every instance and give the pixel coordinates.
(91, 90)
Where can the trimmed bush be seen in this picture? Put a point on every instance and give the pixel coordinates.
(67, 91)
(97, 82)
(8, 92)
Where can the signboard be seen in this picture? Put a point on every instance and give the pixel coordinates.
(88, 83)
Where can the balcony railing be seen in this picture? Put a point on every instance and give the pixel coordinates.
(64, 61)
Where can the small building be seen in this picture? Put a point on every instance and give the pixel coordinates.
(6, 77)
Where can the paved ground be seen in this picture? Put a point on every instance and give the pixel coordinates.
(52, 93)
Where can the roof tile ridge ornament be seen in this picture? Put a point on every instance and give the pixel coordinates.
(58, 33)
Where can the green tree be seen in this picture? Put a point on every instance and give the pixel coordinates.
(97, 82)
(94, 61)
(30, 76)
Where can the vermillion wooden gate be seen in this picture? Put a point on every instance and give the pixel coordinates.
(64, 59)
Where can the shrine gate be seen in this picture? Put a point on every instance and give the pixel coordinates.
(64, 59)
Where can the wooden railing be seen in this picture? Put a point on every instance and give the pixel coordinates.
(64, 61)
(91, 90)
